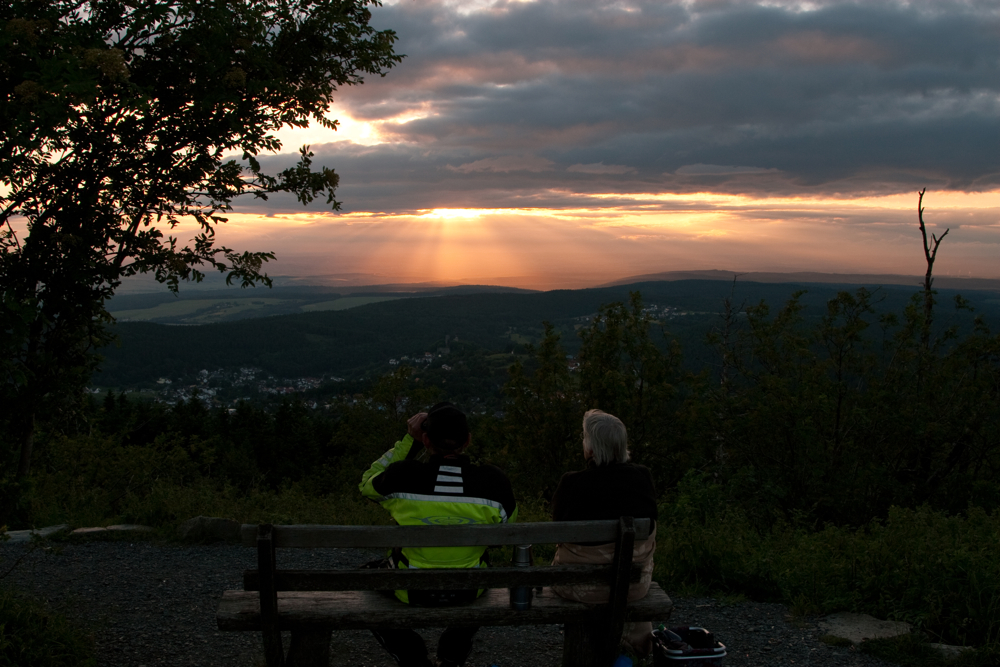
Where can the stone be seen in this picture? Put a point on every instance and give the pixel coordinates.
(209, 529)
(134, 527)
(950, 652)
(17, 536)
(856, 628)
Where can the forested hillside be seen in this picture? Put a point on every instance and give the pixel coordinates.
(351, 342)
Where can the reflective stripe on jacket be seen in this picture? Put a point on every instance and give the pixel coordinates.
(438, 491)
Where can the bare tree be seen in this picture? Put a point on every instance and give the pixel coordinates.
(930, 254)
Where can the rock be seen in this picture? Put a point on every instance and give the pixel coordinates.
(948, 651)
(134, 527)
(21, 536)
(856, 628)
(209, 529)
(26, 535)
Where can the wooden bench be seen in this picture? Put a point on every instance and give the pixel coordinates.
(313, 603)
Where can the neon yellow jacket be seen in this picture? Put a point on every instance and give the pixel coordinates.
(437, 491)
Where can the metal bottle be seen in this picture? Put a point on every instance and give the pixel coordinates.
(520, 597)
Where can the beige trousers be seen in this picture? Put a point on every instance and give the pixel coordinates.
(637, 637)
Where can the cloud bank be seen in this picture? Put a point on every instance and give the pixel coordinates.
(646, 96)
(605, 105)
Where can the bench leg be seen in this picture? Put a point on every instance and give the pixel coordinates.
(274, 652)
(309, 648)
(585, 645)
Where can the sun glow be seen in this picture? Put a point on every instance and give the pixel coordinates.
(348, 129)
(361, 132)
(473, 213)
(613, 236)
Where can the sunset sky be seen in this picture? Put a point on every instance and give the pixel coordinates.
(565, 143)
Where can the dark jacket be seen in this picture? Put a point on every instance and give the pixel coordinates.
(609, 491)
(605, 492)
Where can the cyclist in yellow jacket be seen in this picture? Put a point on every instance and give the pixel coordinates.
(427, 479)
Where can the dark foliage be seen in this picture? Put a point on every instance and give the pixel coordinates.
(115, 119)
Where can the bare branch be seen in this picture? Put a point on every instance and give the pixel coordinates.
(930, 254)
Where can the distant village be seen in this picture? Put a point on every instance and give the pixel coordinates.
(226, 388)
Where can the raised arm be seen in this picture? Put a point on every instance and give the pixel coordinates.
(409, 447)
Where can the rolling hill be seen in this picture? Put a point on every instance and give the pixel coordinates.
(360, 339)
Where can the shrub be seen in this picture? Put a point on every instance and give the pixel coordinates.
(938, 572)
(935, 571)
(32, 635)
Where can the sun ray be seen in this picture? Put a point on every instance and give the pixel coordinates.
(613, 236)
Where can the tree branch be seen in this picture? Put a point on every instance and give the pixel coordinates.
(930, 254)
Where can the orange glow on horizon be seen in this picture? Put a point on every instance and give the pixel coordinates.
(637, 234)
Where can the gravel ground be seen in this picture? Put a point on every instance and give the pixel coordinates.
(154, 604)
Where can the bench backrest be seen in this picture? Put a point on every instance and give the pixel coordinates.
(376, 537)
(312, 536)
(269, 580)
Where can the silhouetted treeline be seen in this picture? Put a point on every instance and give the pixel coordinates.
(832, 418)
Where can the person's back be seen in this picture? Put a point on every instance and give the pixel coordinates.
(610, 487)
(426, 479)
(606, 491)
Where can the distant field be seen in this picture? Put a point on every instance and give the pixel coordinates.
(346, 302)
(189, 309)
(208, 311)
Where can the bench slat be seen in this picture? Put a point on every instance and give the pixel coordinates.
(436, 579)
(240, 610)
(385, 537)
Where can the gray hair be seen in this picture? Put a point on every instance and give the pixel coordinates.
(604, 437)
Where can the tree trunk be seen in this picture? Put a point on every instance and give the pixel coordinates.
(27, 445)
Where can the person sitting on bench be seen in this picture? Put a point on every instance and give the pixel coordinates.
(426, 479)
(609, 487)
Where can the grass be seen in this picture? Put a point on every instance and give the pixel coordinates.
(938, 572)
(165, 505)
(97, 481)
(347, 302)
(205, 311)
(32, 634)
(187, 307)
(906, 650)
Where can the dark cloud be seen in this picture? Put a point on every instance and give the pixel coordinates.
(544, 101)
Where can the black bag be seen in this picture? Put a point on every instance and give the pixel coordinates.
(687, 646)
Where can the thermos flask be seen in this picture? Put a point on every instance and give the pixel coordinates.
(520, 597)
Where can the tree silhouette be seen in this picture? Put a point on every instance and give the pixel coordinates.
(123, 119)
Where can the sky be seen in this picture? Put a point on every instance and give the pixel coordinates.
(566, 143)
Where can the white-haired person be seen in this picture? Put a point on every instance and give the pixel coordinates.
(609, 487)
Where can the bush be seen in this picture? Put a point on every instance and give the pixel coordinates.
(32, 635)
(97, 480)
(938, 572)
